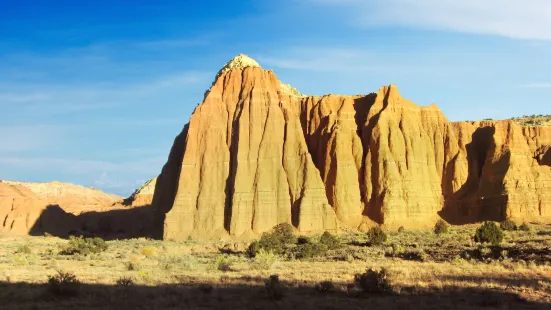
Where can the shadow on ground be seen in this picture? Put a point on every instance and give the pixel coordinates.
(137, 222)
(250, 293)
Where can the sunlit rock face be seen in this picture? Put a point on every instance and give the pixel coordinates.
(257, 153)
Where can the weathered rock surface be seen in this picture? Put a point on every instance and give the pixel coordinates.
(61, 209)
(21, 212)
(141, 197)
(255, 154)
(72, 198)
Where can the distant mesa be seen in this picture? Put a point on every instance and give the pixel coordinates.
(256, 153)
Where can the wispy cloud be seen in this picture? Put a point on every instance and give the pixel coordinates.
(57, 98)
(129, 174)
(319, 59)
(31, 137)
(347, 59)
(537, 85)
(521, 19)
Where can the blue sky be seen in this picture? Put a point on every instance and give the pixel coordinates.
(94, 94)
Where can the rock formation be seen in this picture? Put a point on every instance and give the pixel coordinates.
(141, 197)
(21, 212)
(62, 209)
(71, 198)
(257, 153)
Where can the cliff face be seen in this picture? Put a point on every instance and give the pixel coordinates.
(246, 165)
(255, 155)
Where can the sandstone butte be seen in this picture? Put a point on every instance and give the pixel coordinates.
(257, 153)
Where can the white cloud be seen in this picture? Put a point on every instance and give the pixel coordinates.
(57, 98)
(521, 19)
(537, 85)
(31, 137)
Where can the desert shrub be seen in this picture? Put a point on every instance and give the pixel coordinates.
(253, 249)
(394, 250)
(274, 288)
(376, 236)
(440, 227)
(84, 246)
(330, 241)
(303, 240)
(223, 263)
(63, 284)
(24, 249)
(373, 281)
(284, 232)
(325, 287)
(489, 232)
(310, 250)
(264, 260)
(401, 229)
(524, 227)
(276, 241)
(132, 264)
(508, 225)
(149, 251)
(125, 281)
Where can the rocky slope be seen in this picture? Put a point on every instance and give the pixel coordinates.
(255, 154)
(141, 197)
(71, 198)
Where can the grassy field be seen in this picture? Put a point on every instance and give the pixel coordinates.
(422, 270)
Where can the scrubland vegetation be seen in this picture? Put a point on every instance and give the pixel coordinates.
(490, 265)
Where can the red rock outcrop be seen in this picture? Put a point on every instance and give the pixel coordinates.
(141, 197)
(257, 153)
(22, 212)
(71, 198)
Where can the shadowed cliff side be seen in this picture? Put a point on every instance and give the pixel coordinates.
(479, 199)
(109, 225)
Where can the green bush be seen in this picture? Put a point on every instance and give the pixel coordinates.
(373, 281)
(303, 240)
(253, 249)
(24, 249)
(284, 233)
(330, 241)
(440, 227)
(524, 227)
(84, 246)
(376, 236)
(310, 250)
(223, 263)
(276, 241)
(489, 232)
(63, 284)
(264, 260)
(508, 225)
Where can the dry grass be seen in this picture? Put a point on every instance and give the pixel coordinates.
(533, 120)
(425, 271)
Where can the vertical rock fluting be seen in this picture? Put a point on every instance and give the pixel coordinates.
(255, 154)
(505, 177)
(246, 167)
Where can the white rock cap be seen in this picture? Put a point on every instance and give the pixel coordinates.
(240, 61)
